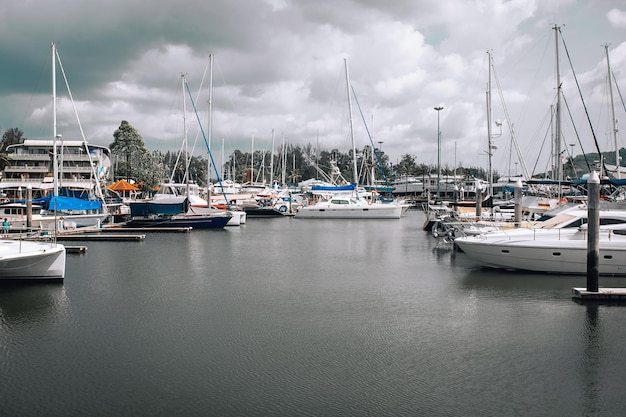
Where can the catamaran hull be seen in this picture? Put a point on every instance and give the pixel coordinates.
(549, 257)
(25, 260)
(363, 212)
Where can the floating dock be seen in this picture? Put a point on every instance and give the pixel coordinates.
(603, 295)
(101, 237)
(148, 229)
(76, 249)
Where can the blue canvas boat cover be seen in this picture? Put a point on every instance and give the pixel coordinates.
(348, 187)
(67, 203)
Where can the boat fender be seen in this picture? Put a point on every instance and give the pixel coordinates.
(282, 209)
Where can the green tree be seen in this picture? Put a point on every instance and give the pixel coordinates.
(129, 145)
(406, 166)
(10, 137)
(151, 170)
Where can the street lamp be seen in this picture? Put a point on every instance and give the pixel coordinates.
(438, 108)
(380, 146)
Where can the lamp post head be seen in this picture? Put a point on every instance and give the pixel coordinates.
(438, 108)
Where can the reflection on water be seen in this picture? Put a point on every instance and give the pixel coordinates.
(31, 302)
(296, 317)
(591, 360)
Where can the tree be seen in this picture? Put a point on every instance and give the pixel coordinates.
(129, 144)
(151, 170)
(406, 166)
(10, 137)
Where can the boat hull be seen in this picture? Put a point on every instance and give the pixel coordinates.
(262, 212)
(335, 211)
(26, 260)
(568, 256)
(195, 222)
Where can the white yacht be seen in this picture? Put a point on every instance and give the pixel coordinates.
(350, 207)
(557, 245)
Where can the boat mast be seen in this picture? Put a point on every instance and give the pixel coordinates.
(210, 129)
(55, 136)
(557, 171)
(490, 146)
(283, 161)
(182, 77)
(354, 166)
(613, 120)
(272, 162)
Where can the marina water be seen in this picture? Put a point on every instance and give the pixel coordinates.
(293, 317)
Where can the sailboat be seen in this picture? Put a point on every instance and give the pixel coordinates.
(58, 200)
(350, 205)
(172, 206)
(198, 204)
(30, 260)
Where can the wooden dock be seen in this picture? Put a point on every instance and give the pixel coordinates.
(117, 229)
(75, 249)
(101, 237)
(603, 295)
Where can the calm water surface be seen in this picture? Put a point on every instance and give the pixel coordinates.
(294, 317)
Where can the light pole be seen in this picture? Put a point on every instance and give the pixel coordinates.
(438, 108)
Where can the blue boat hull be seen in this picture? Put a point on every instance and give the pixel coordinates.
(195, 222)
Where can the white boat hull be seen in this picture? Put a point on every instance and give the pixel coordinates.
(239, 218)
(63, 221)
(564, 253)
(361, 211)
(31, 260)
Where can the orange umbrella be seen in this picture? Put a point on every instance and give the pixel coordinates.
(122, 185)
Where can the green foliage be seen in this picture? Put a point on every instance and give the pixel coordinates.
(128, 146)
(10, 137)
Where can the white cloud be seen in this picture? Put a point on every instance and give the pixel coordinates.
(279, 65)
(617, 18)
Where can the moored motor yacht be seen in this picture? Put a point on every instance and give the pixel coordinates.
(557, 245)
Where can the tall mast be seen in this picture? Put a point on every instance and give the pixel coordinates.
(272, 162)
(354, 167)
(210, 129)
(283, 161)
(182, 77)
(613, 119)
(558, 172)
(55, 166)
(489, 133)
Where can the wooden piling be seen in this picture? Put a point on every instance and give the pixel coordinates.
(593, 238)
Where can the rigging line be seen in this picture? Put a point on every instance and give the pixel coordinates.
(545, 138)
(582, 149)
(380, 164)
(99, 192)
(520, 156)
(618, 90)
(182, 143)
(593, 133)
(219, 178)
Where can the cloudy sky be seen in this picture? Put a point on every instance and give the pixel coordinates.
(279, 66)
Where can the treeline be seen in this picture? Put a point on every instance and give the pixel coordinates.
(132, 161)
